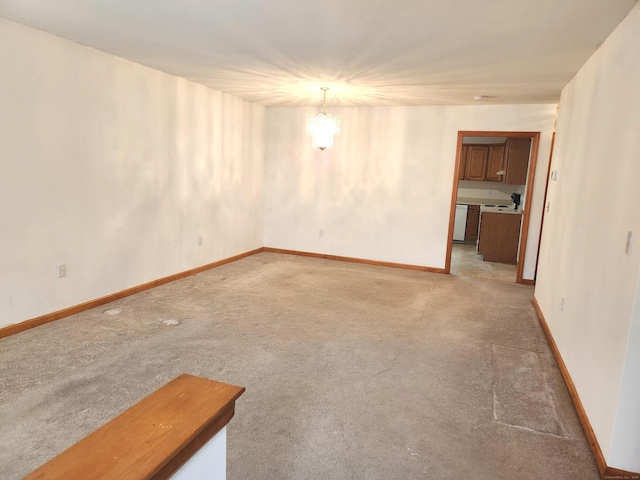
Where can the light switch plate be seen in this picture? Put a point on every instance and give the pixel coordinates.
(61, 270)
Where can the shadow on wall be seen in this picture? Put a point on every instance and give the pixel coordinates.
(191, 175)
(364, 172)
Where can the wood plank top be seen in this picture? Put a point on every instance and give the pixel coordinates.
(153, 438)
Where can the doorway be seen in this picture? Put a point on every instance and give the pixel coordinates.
(492, 188)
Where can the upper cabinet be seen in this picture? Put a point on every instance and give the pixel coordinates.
(517, 161)
(495, 164)
(500, 162)
(463, 162)
(476, 165)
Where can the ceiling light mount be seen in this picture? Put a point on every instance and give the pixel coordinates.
(323, 127)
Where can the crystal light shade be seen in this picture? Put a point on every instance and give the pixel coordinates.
(323, 127)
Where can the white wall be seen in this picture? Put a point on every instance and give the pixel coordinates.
(115, 169)
(384, 191)
(594, 203)
(625, 444)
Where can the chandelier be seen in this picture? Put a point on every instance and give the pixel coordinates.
(322, 126)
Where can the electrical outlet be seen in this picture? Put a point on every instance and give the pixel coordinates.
(629, 245)
(562, 304)
(200, 240)
(61, 270)
(321, 233)
(554, 175)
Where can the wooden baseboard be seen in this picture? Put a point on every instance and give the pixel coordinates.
(526, 281)
(50, 317)
(605, 471)
(615, 474)
(582, 414)
(356, 260)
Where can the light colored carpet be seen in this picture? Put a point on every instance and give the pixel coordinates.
(351, 372)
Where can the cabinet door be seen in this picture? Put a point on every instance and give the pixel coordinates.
(473, 220)
(463, 163)
(517, 164)
(499, 237)
(495, 163)
(476, 163)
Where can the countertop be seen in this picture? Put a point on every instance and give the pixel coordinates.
(477, 201)
(500, 210)
(489, 201)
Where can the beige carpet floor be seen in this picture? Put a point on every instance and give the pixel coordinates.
(351, 372)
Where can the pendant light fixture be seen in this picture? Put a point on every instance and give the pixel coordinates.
(322, 126)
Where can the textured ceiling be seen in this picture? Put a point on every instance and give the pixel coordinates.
(370, 52)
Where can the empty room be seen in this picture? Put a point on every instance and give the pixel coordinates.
(352, 240)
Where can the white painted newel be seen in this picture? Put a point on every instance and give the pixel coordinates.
(208, 463)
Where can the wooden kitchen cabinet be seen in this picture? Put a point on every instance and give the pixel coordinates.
(476, 165)
(483, 162)
(473, 221)
(499, 236)
(517, 161)
(495, 163)
(463, 162)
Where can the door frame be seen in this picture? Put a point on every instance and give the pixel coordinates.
(544, 202)
(531, 175)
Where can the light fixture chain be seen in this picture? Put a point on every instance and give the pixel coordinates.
(324, 101)
(323, 127)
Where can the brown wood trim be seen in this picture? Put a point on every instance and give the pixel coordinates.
(355, 260)
(582, 414)
(605, 471)
(535, 141)
(544, 201)
(487, 133)
(614, 473)
(153, 438)
(50, 317)
(526, 281)
(531, 177)
(452, 207)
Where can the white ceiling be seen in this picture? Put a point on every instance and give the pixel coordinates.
(370, 52)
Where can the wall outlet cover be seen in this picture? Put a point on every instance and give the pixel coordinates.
(61, 270)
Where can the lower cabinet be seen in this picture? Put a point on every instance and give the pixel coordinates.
(499, 236)
(473, 221)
